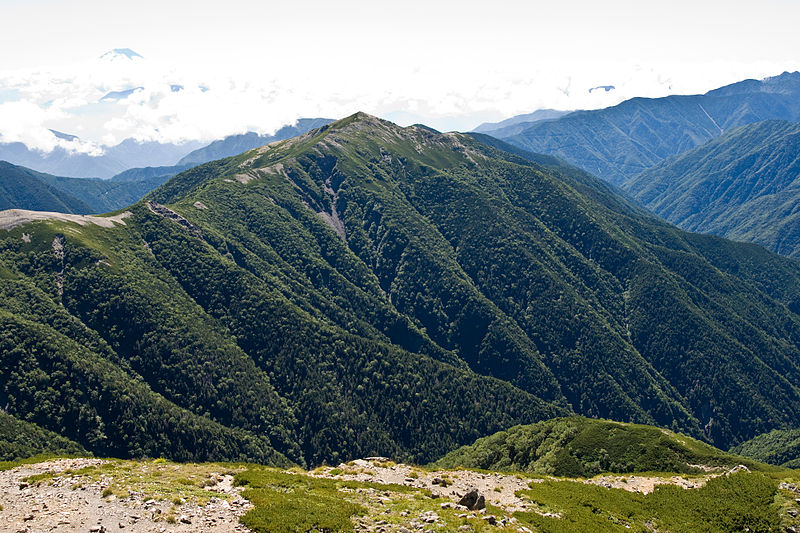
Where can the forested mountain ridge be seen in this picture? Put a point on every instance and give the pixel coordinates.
(619, 142)
(365, 289)
(577, 446)
(23, 188)
(744, 185)
(779, 446)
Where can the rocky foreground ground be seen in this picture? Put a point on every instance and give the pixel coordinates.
(57, 496)
(95, 495)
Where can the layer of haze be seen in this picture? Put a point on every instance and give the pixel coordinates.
(452, 64)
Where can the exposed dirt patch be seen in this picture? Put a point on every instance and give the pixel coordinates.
(646, 484)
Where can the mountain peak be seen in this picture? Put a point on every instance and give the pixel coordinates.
(358, 117)
(64, 136)
(120, 53)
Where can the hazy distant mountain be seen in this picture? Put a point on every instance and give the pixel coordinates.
(744, 185)
(120, 53)
(131, 154)
(621, 141)
(229, 146)
(236, 144)
(115, 159)
(147, 173)
(119, 95)
(536, 116)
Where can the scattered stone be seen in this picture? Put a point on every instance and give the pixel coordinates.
(789, 486)
(473, 500)
(429, 517)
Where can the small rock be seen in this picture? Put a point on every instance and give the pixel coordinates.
(490, 519)
(473, 500)
(429, 517)
(185, 519)
(792, 512)
(28, 517)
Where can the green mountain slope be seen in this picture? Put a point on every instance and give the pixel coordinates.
(365, 289)
(744, 185)
(20, 439)
(619, 142)
(23, 188)
(236, 144)
(578, 446)
(778, 447)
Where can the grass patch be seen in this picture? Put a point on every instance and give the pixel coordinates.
(295, 503)
(740, 502)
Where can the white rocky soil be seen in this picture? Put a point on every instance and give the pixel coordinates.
(97, 495)
(68, 502)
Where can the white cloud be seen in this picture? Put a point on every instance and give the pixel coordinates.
(219, 99)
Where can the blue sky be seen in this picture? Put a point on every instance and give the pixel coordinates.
(446, 63)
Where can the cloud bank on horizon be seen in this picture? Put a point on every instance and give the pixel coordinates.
(207, 70)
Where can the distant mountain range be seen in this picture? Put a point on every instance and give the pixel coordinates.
(504, 127)
(744, 185)
(129, 154)
(115, 159)
(236, 144)
(619, 142)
